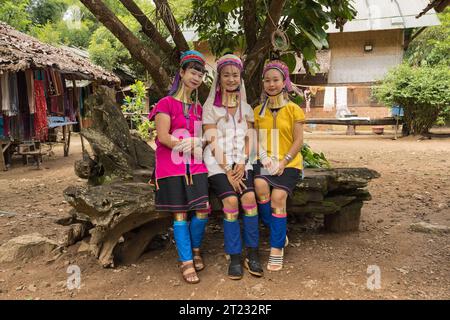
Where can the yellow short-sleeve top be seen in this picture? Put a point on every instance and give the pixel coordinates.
(278, 142)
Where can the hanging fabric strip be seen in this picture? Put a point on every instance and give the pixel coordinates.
(341, 102)
(30, 91)
(13, 94)
(329, 99)
(4, 83)
(24, 107)
(40, 118)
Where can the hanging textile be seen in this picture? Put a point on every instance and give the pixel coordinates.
(1, 99)
(307, 94)
(4, 83)
(341, 102)
(314, 90)
(24, 108)
(60, 83)
(13, 94)
(5, 126)
(50, 83)
(60, 100)
(329, 99)
(66, 99)
(30, 90)
(40, 116)
(54, 104)
(83, 95)
(72, 102)
(15, 130)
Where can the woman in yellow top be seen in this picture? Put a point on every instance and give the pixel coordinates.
(279, 122)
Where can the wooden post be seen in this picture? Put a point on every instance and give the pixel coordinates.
(79, 115)
(2, 158)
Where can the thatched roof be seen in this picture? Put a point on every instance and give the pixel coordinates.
(19, 51)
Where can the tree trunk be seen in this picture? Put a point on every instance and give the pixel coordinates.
(171, 23)
(118, 155)
(250, 24)
(258, 54)
(137, 49)
(150, 30)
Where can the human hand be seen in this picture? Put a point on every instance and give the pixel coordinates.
(188, 144)
(280, 168)
(239, 172)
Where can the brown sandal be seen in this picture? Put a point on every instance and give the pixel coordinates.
(188, 272)
(198, 260)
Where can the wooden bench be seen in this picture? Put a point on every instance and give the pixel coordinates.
(352, 122)
(65, 123)
(31, 148)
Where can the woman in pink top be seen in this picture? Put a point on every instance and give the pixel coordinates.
(181, 177)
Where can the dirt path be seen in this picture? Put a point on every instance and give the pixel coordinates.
(414, 186)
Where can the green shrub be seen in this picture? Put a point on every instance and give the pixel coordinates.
(423, 92)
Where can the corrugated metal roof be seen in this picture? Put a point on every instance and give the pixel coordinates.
(388, 14)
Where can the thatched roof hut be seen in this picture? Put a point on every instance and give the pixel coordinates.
(19, 52)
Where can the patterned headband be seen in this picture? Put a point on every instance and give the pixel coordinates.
(230, 59)
(192, 56)
(186, 57)
(283, 69)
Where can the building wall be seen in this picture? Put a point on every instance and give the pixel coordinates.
(350, 63)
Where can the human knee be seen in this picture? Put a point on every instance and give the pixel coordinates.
(230, 203)
(262, 189)
(248, 198)
(278, 199)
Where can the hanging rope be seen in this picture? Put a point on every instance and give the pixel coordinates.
(279, 39)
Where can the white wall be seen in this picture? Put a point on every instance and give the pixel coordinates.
(349, 62)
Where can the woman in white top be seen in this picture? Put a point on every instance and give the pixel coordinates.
(227, 122)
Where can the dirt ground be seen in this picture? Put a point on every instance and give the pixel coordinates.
(414, 186)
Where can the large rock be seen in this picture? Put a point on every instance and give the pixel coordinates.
(26, 247)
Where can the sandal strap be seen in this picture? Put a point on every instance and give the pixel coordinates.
(198, 260)
(188, 272)
(276, 260)
(187, 266)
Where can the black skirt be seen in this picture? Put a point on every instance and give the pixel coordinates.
(287, 181)
(178, 194)
(222, 188)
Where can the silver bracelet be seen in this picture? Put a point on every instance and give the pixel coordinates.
(262, 155)
(288, 157)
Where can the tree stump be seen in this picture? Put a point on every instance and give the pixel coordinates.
(117, 201)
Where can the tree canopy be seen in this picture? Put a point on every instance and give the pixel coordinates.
(148, 35)
(256, 28)
(421, 85)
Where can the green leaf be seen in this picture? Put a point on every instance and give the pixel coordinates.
(309, 53)
(317, 42)
(290, 61)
